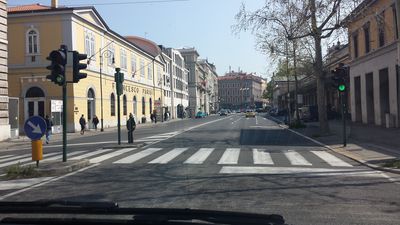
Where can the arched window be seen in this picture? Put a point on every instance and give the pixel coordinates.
(32, 41)
(112, 104)
(143, 106)
(134, 105)
(151, 106)
(124, 107)
(34, 92)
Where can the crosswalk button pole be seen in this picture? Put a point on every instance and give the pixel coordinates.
(37, 151)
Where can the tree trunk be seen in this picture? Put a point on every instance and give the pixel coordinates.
(296, 103)
(318, 70)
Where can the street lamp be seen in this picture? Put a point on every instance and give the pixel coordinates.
(107, 54)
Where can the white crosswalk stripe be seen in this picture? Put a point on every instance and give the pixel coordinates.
(158, 137)
(200, 156)
(260, 156)
(15, 157)
(87, 155)
(230, 156)
(137, 156)
(296, 159)
(168, 156)
(5, 156)
(59, 156)
(331, 159)
(26, 159)
(110, 155)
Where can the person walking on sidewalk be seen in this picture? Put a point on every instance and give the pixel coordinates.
(155, 116)
(95, 121)
(131, 126)
(82, 122)
(49, 125)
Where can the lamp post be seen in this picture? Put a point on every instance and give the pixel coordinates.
(107, 54)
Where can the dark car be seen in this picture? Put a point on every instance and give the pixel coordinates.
(223, 113)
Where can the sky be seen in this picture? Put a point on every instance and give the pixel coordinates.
(203, 24)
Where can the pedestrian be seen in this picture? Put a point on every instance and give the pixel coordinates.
(165, 116)
(131, 126)
(49, 125)
(155, 116)
(95, 121)
(82, 122)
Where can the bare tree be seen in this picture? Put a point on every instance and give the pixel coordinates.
(301, 20)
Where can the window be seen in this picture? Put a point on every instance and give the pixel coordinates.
(32, 41)
(123, 59)
(141, 67)
(124, 107)
(110, 59)
(150, 72)
(133, 64)
(355, 45)
(367, 38)
(143, 106)
(89, 44)
(151, 106)
(112, 104)
(395, 21)
(380, 20)
(134, 105)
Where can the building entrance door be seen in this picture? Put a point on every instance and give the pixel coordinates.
(91, 108)
(34, 103)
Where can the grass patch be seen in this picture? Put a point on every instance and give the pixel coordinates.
(393, 164)
(19, 171)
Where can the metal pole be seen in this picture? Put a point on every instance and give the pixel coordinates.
(343, 118)
(64, 121)
(101, 91)
(119, 121)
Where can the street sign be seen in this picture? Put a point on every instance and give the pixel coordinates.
(35, 127)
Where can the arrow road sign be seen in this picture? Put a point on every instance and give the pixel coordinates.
(35, 127)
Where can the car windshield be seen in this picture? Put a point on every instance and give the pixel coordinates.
(200, 111)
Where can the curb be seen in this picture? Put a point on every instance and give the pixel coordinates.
(124, 146)
(361, 161)
(63, 169)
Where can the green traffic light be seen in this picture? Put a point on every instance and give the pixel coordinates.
(342, 87)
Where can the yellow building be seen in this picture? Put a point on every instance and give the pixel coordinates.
(374, 80)
(36, 30)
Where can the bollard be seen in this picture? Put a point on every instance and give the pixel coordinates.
(37, 151)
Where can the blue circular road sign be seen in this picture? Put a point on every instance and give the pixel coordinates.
(35, 127)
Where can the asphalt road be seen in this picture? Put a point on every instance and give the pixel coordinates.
(227, 163)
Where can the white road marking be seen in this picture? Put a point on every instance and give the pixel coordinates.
(21, 183)
(137, 156)
(296, 159)
(45, 182)
(150, 139)
(298, 171)
(164, 159)
(200, 156)
(256, 120)
(262, 157)
(15, 157)
(110, 155)
(230, 156)
(59, 156)
(264, 118)
(5, 156)
(26, 159)
(84, 156)
(247, 118)
(331, 159)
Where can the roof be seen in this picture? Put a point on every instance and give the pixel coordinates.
(239, 77)
(147, 45)
(31, 7)
(356, 12)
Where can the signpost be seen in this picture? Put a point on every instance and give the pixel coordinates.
(35, 127)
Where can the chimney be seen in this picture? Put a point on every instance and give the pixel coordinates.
(54, 3)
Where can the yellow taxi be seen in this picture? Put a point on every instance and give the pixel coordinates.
(250, 113)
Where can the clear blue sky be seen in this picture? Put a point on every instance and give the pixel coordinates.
(203, 24)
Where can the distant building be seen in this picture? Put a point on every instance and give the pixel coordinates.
(240, 90)
(374, 77)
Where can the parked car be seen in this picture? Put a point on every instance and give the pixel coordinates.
(223, 113)
(200, 114)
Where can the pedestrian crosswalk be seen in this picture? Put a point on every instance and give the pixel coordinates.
(157, 138)
(196, 156)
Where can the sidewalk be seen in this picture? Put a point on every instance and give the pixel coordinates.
(24, 141)
(366, 144)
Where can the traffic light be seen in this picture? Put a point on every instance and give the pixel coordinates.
(340, 75)
(119, 80)
(58, 60)
(77, 66)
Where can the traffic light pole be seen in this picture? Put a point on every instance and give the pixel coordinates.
(119, 120)
(343, 117)
(64, 121)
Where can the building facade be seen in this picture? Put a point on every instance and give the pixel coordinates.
(4, 100)
(36, 30)
(238, 90)
(374, 76)
(211, 84)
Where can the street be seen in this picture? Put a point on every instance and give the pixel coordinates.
(222, 163)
